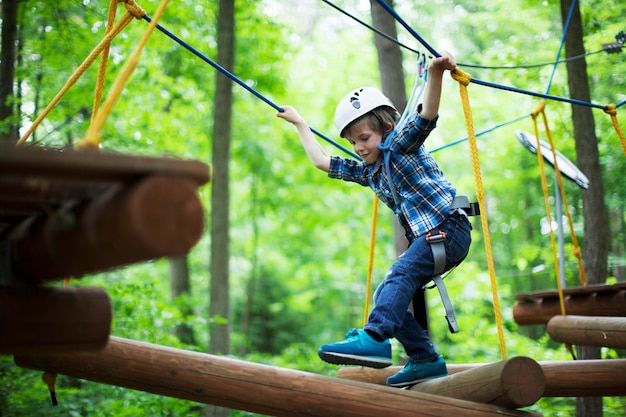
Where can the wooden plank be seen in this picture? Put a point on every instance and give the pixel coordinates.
(156, 217)
(53, 319)
(580, 378)
(258, 388)
(589, 331)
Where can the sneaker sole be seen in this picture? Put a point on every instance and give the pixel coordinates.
(415, 381)
(347, 359)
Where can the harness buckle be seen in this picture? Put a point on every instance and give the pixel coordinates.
(435, 238)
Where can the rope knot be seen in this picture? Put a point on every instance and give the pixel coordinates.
(539, 109)
(461, 76)
(611, 110)
(577, 252)
(134, 9)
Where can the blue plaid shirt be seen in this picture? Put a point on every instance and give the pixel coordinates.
(424, 194)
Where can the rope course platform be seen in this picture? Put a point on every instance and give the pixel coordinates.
(69, 213)
(66, 213)
(606, 300)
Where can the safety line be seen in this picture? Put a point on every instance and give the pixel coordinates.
(475, 80)
(565, 29)
(461, 64)
(456, 142)
(241, 83)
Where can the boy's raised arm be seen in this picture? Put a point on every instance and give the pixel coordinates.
(432, 93)
(312, 147)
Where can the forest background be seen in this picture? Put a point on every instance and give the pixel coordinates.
(299, 241)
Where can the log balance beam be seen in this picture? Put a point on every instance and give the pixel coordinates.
(590, 300)
(589, 331)
(512, 383)
(575, 378)
(253, 387)
(36, 320)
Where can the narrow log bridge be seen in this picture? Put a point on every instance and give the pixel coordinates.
(575, 378)
(67, 214)
(589, 331)
(247, 386)
(591, 300)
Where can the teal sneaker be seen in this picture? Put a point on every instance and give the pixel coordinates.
(414, 373)
(359, 348)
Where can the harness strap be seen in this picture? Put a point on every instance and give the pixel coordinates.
(438, 248)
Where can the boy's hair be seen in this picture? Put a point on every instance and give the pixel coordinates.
(376, 119)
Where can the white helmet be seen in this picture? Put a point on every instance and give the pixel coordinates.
(357, 103)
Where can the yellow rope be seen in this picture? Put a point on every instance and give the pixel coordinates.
(464, 79)
(544, 187)
(576, 250)
(370, 263)
(103, 60)
(92, 137)
(612, 111)
(121, 24)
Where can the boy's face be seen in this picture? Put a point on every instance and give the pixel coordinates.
(365, 141)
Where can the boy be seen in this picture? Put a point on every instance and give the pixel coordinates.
(406, 178)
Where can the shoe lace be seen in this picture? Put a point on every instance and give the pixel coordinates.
(352, 333)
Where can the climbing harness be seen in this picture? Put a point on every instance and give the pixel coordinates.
(436, 240)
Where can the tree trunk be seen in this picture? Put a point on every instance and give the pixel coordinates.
(8, 53)
(596, 230)
(180, 291)
(219, 307)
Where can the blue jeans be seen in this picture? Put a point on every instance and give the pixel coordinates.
(391, 316)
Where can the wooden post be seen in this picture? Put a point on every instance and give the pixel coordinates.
(35, 320)
(159, 216)
(589, 331)
(580, 378)
(512, 383)
(258, 388)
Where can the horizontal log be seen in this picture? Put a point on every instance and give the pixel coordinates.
(36, 180)
(541, 310)
(35, 320)
(512, 383)
(585, 378)
(253, 387)
(157, 217)
(580, 378)
(589, 331)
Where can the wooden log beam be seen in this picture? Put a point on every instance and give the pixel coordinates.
(539, 310)
(258, 388)
(512, 383)
(35, 320)
(580, 378)
(585, 378)
(159, 216)
(589, 331)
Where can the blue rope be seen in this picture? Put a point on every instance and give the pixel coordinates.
(558, 54)
(241, 83)
(477, 81)
(456, 142)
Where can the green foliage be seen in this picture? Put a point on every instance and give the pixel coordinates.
(299, 241)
